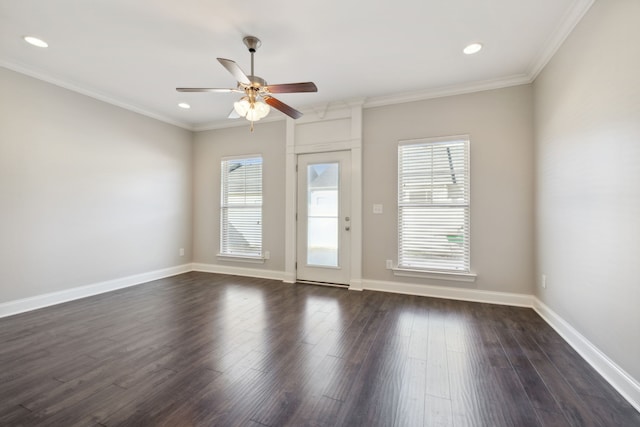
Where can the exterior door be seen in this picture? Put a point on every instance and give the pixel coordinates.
(323, 237)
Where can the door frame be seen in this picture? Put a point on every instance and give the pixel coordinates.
(333, 275)
(350, 141)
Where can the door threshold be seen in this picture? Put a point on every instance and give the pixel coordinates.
(313, 282)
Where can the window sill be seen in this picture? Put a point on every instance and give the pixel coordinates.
(241, 258)
(440, 275)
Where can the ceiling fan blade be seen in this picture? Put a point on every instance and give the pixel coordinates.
(207, 89)
(233, 114)
(279, 105)
(235, 70)
(293, 87)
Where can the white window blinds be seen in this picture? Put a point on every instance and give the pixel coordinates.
(241, 207)
(433, 204)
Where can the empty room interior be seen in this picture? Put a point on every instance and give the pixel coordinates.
(408, 213)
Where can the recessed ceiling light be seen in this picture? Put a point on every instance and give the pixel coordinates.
(472, 48)
(35, 41)
(184, 105)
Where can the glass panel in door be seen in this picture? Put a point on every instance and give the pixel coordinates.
(322, 214)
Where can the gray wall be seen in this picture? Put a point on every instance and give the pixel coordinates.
(587, 126)
(500, 125)
(268, 139)
(88, 192)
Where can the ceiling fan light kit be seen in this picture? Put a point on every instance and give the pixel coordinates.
(251, 110)
(257, 99)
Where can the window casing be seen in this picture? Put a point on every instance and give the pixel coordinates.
(241, 207)
(433, 205)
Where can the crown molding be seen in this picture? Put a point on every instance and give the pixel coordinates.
(233, 123)
(571, 19)
(319, 110)
(573, 16)
(442, 92)
(74, 87)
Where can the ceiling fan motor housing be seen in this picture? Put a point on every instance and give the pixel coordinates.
(257, 81)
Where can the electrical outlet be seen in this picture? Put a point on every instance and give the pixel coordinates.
(181, 252)
(389, 264)
(544, 281)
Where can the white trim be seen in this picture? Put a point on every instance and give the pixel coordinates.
(440, 275)
(624, 383)
(288, 277)
(242, 157)
(442, 92)
(236, 122)
(75, 87)
(313, 112)
(291, 204)
(572, 18)
(45, 300)
(446, 139)
(239, 271)
(351, 143)
(239, 258)
(355, 285)
(556, 39)
(356, 197)
(473, 295)
(328, 146)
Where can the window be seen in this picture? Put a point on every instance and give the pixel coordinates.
(433, 205)
(241, 207)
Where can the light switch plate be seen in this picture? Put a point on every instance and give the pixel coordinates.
(377, 208)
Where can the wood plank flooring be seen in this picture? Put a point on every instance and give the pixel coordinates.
(203, 349)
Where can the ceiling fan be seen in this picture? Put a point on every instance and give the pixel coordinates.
(256, 88)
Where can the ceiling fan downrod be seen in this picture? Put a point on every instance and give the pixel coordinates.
(252, 43)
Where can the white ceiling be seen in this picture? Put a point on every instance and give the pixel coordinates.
(134, 53)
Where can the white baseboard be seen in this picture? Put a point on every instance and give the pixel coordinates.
(289, 277)
(626, 385)
(239, 271)
(355, 285)
(474, 295)
(40, 301)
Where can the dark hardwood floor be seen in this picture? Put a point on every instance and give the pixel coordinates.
(203, 349)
